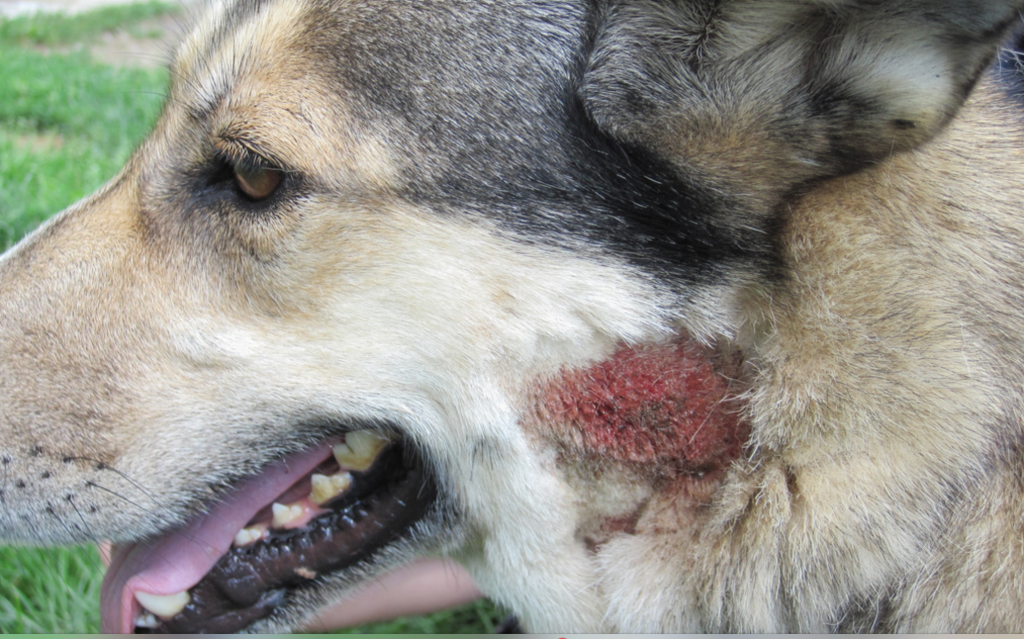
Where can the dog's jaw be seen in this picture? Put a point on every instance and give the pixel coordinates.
(205, 577)
(179, 560)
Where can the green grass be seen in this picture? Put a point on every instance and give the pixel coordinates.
(67, 124)
(52, 590)
(61, 29)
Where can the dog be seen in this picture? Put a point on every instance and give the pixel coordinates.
(656, 315)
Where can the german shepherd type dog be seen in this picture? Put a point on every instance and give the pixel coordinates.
(657, 315)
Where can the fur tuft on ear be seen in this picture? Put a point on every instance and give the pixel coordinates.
(762, 96)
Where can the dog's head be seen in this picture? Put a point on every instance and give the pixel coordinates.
(500, 256)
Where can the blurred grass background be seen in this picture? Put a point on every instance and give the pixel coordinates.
(67, 124)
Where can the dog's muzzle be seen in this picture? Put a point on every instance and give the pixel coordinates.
(301, 519)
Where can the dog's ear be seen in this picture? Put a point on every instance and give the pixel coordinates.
(760, 96)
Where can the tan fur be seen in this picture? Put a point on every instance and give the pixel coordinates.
(149, 352)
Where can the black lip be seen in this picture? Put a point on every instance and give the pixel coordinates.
(250, 583)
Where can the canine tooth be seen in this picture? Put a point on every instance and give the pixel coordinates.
(305, 573)
(249, 535)
(359, 449)
(327, 488)
(284, 515)
(146, 620)
(163, 606)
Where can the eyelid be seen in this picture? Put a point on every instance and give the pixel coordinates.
(235, 150)
(244, 158)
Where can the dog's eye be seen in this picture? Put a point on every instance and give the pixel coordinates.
(257, 182)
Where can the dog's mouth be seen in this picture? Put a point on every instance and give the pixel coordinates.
(301, 519)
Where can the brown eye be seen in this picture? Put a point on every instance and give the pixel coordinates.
(257, 182)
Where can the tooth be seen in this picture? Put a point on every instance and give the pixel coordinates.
(327, 488)
(305, 573)
(359, 449)
(146, 620)
(284, 515)
(163, 606)
(249, 535)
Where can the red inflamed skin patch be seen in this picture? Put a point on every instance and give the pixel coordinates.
(673, 403)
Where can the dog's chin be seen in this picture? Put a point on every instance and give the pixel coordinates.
(276, 536)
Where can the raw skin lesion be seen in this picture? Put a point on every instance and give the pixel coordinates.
(667, 404)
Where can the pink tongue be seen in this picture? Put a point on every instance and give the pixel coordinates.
(179, 559)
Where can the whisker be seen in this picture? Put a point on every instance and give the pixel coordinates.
(100, 465)
(92, 484)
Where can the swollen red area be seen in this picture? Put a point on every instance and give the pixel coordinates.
(673, 402)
